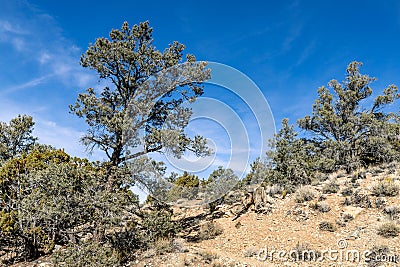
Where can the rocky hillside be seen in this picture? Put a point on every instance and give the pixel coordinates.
(340, 220)
(329, 223)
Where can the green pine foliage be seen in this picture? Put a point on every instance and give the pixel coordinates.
(16, 137)
(145, 92)
(349, 131)
(187, 180)
(46, 194)
(289, 164)
(343, 132)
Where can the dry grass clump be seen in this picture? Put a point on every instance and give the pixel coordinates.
(389, 229)
(330, 188)
(303, 194)
(327, 226)
(385, 188)
(209, 230)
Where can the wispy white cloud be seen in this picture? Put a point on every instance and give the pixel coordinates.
(293, 35)
(305, 54)
(43, 61)
(39, 40)
(44, 57)
(14, 34)
(7, 27)
(32, 83)
(18, 43)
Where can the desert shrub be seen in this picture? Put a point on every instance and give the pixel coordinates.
(125, 241)
(389, 229)
(163, 245)
(157, 232)
(392, 166)
(48, 194)
(341, 223)
(314, 205)
(392, 212)
(303, 194)
(322, 207)
(219, 182)
(347, 191)
(289, 163)
(187, 180)
(347, 217)
(158, 224)
(380, 202)
(208, 257)
(299, 214)
(358, 175)
(321, 177)
(327, 226)
(209, 230)
(385, 188)
(187, 186)
(179, 245)
(352, 184)
(358, 200)
(347, 201)
(331, 187)
(92, 254)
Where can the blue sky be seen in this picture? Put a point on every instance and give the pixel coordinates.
(288, 49)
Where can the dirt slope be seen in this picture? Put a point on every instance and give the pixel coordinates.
(293, 227)
(286, 231)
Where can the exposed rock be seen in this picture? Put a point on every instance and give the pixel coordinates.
(355, 234)
(353, 211)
